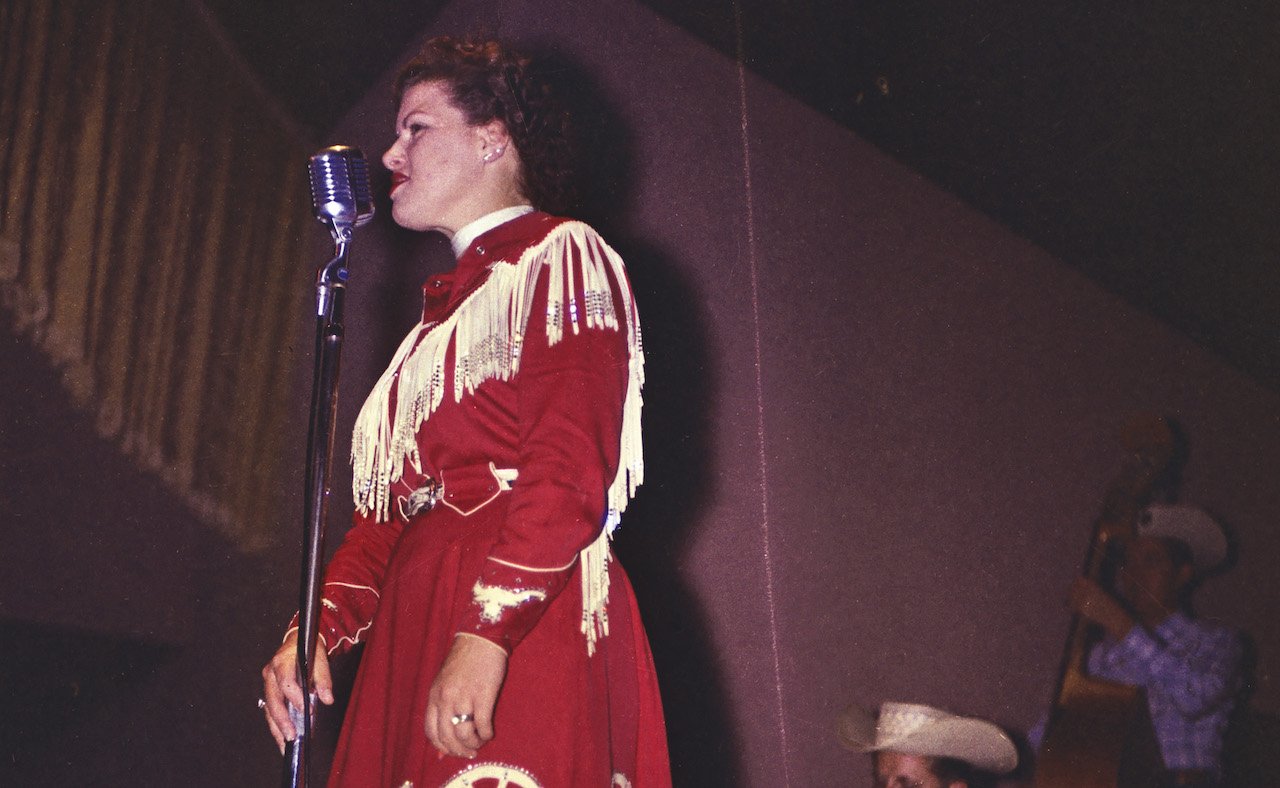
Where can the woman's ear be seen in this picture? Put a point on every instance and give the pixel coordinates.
(494, 140)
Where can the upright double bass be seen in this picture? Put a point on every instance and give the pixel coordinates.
(1099, 733)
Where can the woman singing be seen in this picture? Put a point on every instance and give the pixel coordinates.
(491, 461)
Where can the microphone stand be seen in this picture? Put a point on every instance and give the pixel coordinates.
(330, 292)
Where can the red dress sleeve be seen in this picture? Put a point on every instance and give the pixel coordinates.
(352, 582)
(570, 410)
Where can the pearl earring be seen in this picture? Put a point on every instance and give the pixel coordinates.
(493, 153)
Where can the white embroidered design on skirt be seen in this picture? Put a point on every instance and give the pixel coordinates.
(503, 774)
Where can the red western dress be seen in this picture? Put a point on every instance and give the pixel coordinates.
(547, 391)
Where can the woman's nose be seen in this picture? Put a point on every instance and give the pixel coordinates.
(393, 158)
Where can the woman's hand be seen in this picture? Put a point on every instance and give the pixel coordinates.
(467, 685)
(280, 688)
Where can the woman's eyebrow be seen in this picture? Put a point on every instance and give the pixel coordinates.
(409, 114)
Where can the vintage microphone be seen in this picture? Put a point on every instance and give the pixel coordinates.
(341, 199)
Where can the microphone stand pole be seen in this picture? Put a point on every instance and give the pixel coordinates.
(330, 292)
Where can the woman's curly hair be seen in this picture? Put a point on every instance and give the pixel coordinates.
(488, 80)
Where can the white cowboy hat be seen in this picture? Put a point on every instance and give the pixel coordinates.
(1190, 525)
(913, 729)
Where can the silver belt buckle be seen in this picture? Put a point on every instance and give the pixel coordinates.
(421, 500)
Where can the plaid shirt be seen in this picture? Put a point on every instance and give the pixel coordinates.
(1191, 672)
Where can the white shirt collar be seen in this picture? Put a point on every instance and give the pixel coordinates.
(473, 230)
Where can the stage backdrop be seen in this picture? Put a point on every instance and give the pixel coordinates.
(151, 208)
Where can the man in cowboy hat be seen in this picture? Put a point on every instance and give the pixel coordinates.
(1190, 669)
(917, 746)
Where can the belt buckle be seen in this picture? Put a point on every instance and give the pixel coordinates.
(421, 500)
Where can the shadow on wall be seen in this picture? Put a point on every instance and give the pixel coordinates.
(657, 529)
(678, 398)
(677, 413)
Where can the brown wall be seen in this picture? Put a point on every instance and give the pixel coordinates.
(878, 427)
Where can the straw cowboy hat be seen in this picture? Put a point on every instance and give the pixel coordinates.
(1187, 524)
(913, 729)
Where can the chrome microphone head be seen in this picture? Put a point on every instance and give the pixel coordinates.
(340, 190)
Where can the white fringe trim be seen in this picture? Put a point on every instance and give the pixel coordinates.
(486, 334)
(595, 590)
